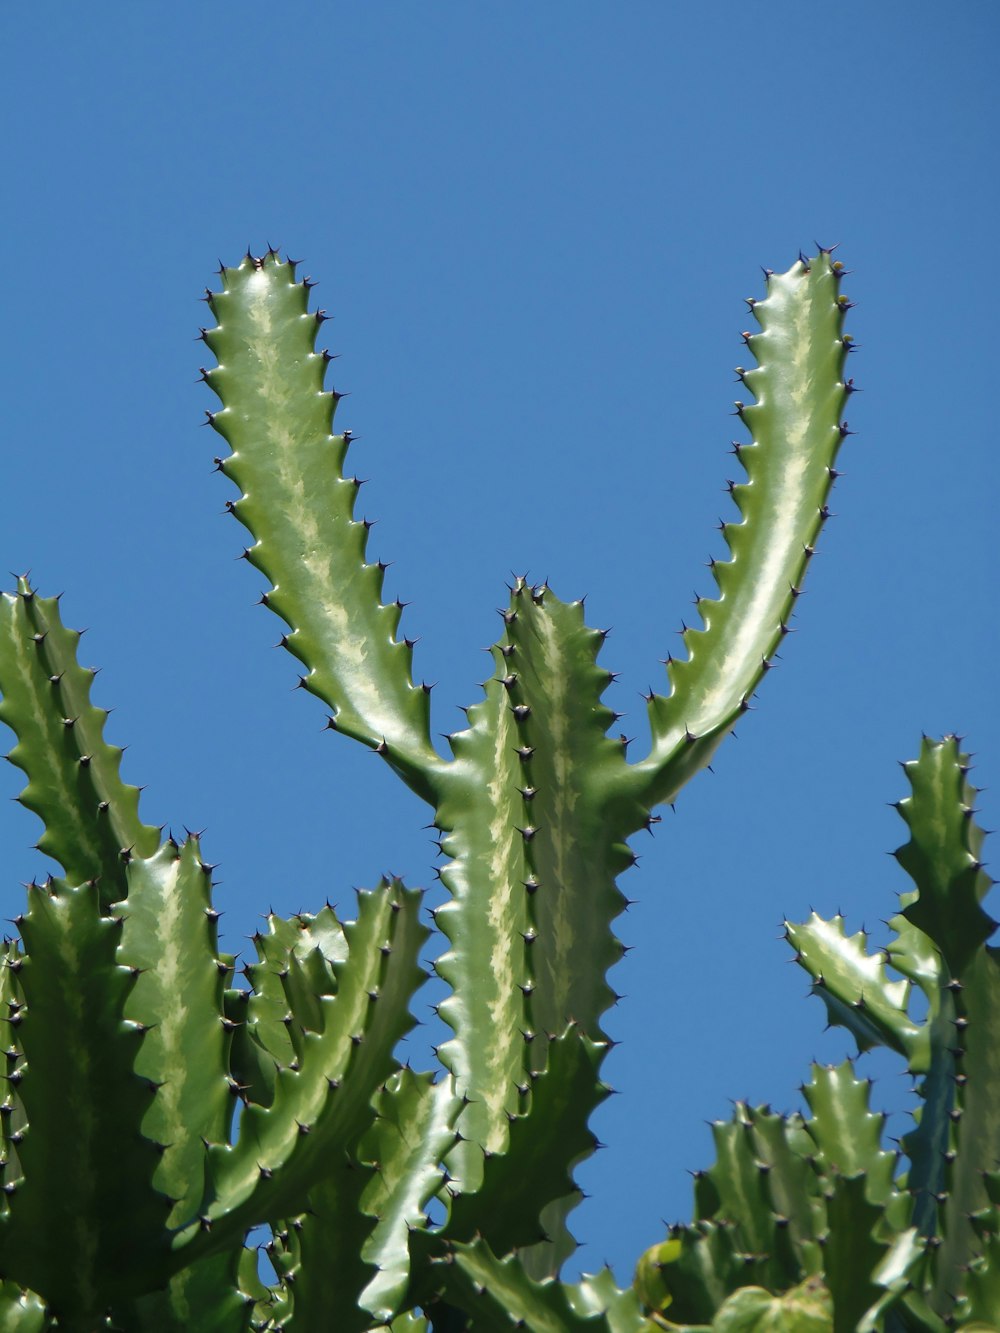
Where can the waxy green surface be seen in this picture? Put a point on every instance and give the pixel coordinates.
(537, 802)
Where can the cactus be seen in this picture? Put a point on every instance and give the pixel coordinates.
(818, 1200)
(157, 1112)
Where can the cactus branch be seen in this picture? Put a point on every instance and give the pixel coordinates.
(296, 500)
(796, 431)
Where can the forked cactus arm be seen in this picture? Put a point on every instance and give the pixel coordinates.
(796, 429)
(278, 420)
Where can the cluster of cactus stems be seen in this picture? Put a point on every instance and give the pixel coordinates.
(157, 1110)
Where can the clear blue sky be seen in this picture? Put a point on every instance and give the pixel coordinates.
(535, 225)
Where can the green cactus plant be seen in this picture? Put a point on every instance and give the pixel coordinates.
(819, 1199)
(156, 1111)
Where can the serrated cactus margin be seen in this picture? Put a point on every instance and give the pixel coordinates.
(157, 1110)
(537, 802)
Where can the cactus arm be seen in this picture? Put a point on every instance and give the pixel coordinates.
(761, 1180)
(498, 1294)
(322, 1106)
(535, 845)
(982, 1294)
(796, 430)
(597, 1294)
(856, 989)
(942, 855)
(281, 988)
(413, 1132)
(486, 918)
(88, 1171)
(299, 506)
(959, 1120)
(169, 945)
(250, 1064)
(545, 1142)
(846, 1132)
(91, 817)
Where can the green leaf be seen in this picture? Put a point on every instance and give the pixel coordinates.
(806, 1308)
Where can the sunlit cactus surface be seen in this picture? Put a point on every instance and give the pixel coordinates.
(161, 1108)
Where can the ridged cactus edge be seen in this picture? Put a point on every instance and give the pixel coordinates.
(160, 1106)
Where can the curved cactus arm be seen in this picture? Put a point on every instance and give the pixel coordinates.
(796, 430)
(322, 1104)
(91, 817)
(299, 506)
(22, 1311)
(412, 1134)
(855, 987)
(88, 1169)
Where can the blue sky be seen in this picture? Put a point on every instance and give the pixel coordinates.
(535, 225)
